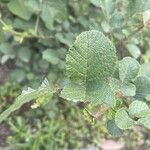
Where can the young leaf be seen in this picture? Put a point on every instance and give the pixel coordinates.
(128, 69)
(88, 116)
(90, 63)
(25, 97)
(122, 119)
(139, 109)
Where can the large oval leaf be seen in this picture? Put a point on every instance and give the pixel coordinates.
(89, 64)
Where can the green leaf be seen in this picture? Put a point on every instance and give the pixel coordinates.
(113, 128)
(134, 50)
(51, 56)
(90, 63)
(24, 54)
(128, 89)
(18, 75)
(8, 52)
(1, 34)
(145, 70)
(33, 6)
(110, 6)
(147, 97)
(111, 114)
(96, 3)
(128, 69)
(136, 6)
(51, 11)
(7, 48)
(105, 26)
(142, 87)
(19, 8)
(145, 122)
(146, 17)
(23, 24)
(122, 119)
(89, 116)
(25, 97)
(139, 109)
(117, 20)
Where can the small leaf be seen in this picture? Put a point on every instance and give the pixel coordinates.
(113, 128)
(128, 89)
(111, 114)
(145, 122)
(105, 26)
(122, 119)
(142, 87)
(6, 48)
(18, 75)
(134, 50)
(90, 63)
(51, 11)
(128, 69)
(110, 6)
(117, 21)
(24, 54)
(25, 97)
(88, 116)
(139, 109)
(51, 56)
(19, 8)
(145, 70)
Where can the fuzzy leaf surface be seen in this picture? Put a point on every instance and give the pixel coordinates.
(128, 69)
(122, 119)
(128, 89)
(90, 63)
(139, 109)
(142, 87)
